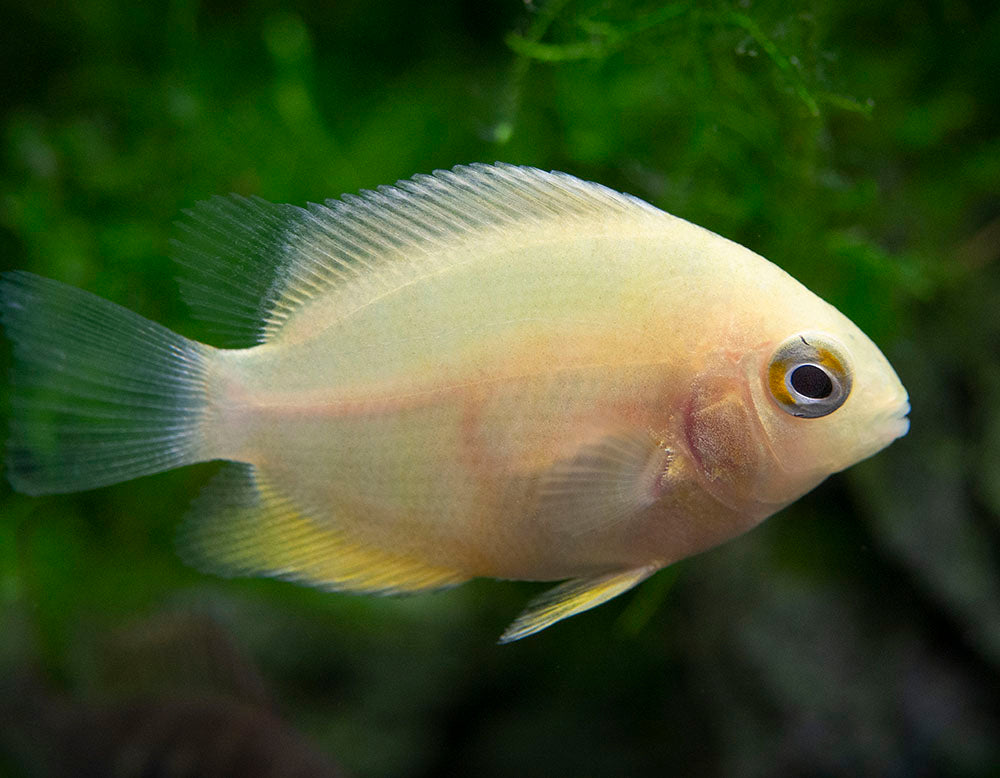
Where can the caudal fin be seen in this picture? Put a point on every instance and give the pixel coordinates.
(100, 394)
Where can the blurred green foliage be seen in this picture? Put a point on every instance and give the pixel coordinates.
(856, 144)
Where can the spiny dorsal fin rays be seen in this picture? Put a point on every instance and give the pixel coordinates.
(572, 597)
(251, 265)
(398, 233)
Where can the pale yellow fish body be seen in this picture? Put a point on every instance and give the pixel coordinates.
(502, 372)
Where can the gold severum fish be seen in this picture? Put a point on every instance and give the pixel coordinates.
(489, 371)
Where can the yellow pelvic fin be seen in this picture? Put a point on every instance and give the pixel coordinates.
(572, 597)
(241, 526)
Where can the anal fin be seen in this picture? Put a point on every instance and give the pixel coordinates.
(242, 526)
(572, 597)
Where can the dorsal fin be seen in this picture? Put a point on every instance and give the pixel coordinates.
(231, 250)
(253, 265)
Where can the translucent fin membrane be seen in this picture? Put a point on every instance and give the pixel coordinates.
(232, 249)
(250, 266)
(101, 394)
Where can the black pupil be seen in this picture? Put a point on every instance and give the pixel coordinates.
(811, 381)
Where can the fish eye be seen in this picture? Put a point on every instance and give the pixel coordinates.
(809, 375)
(811, 381)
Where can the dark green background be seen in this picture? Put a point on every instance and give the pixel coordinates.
(854, 143)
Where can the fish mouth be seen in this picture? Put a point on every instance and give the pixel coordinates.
(897, 421)
(883, 428)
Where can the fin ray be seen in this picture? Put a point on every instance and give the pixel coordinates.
(100, 394)
(604, 483)
(230, 249)
(573, 597)
(252, 265)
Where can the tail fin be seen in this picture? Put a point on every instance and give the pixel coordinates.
(100, 394)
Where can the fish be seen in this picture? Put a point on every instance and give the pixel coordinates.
(489, 371)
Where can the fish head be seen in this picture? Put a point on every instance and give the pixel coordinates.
(774, 417)
(826, 399)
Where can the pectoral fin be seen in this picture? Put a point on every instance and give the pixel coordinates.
(604, 482)
(572, 597)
